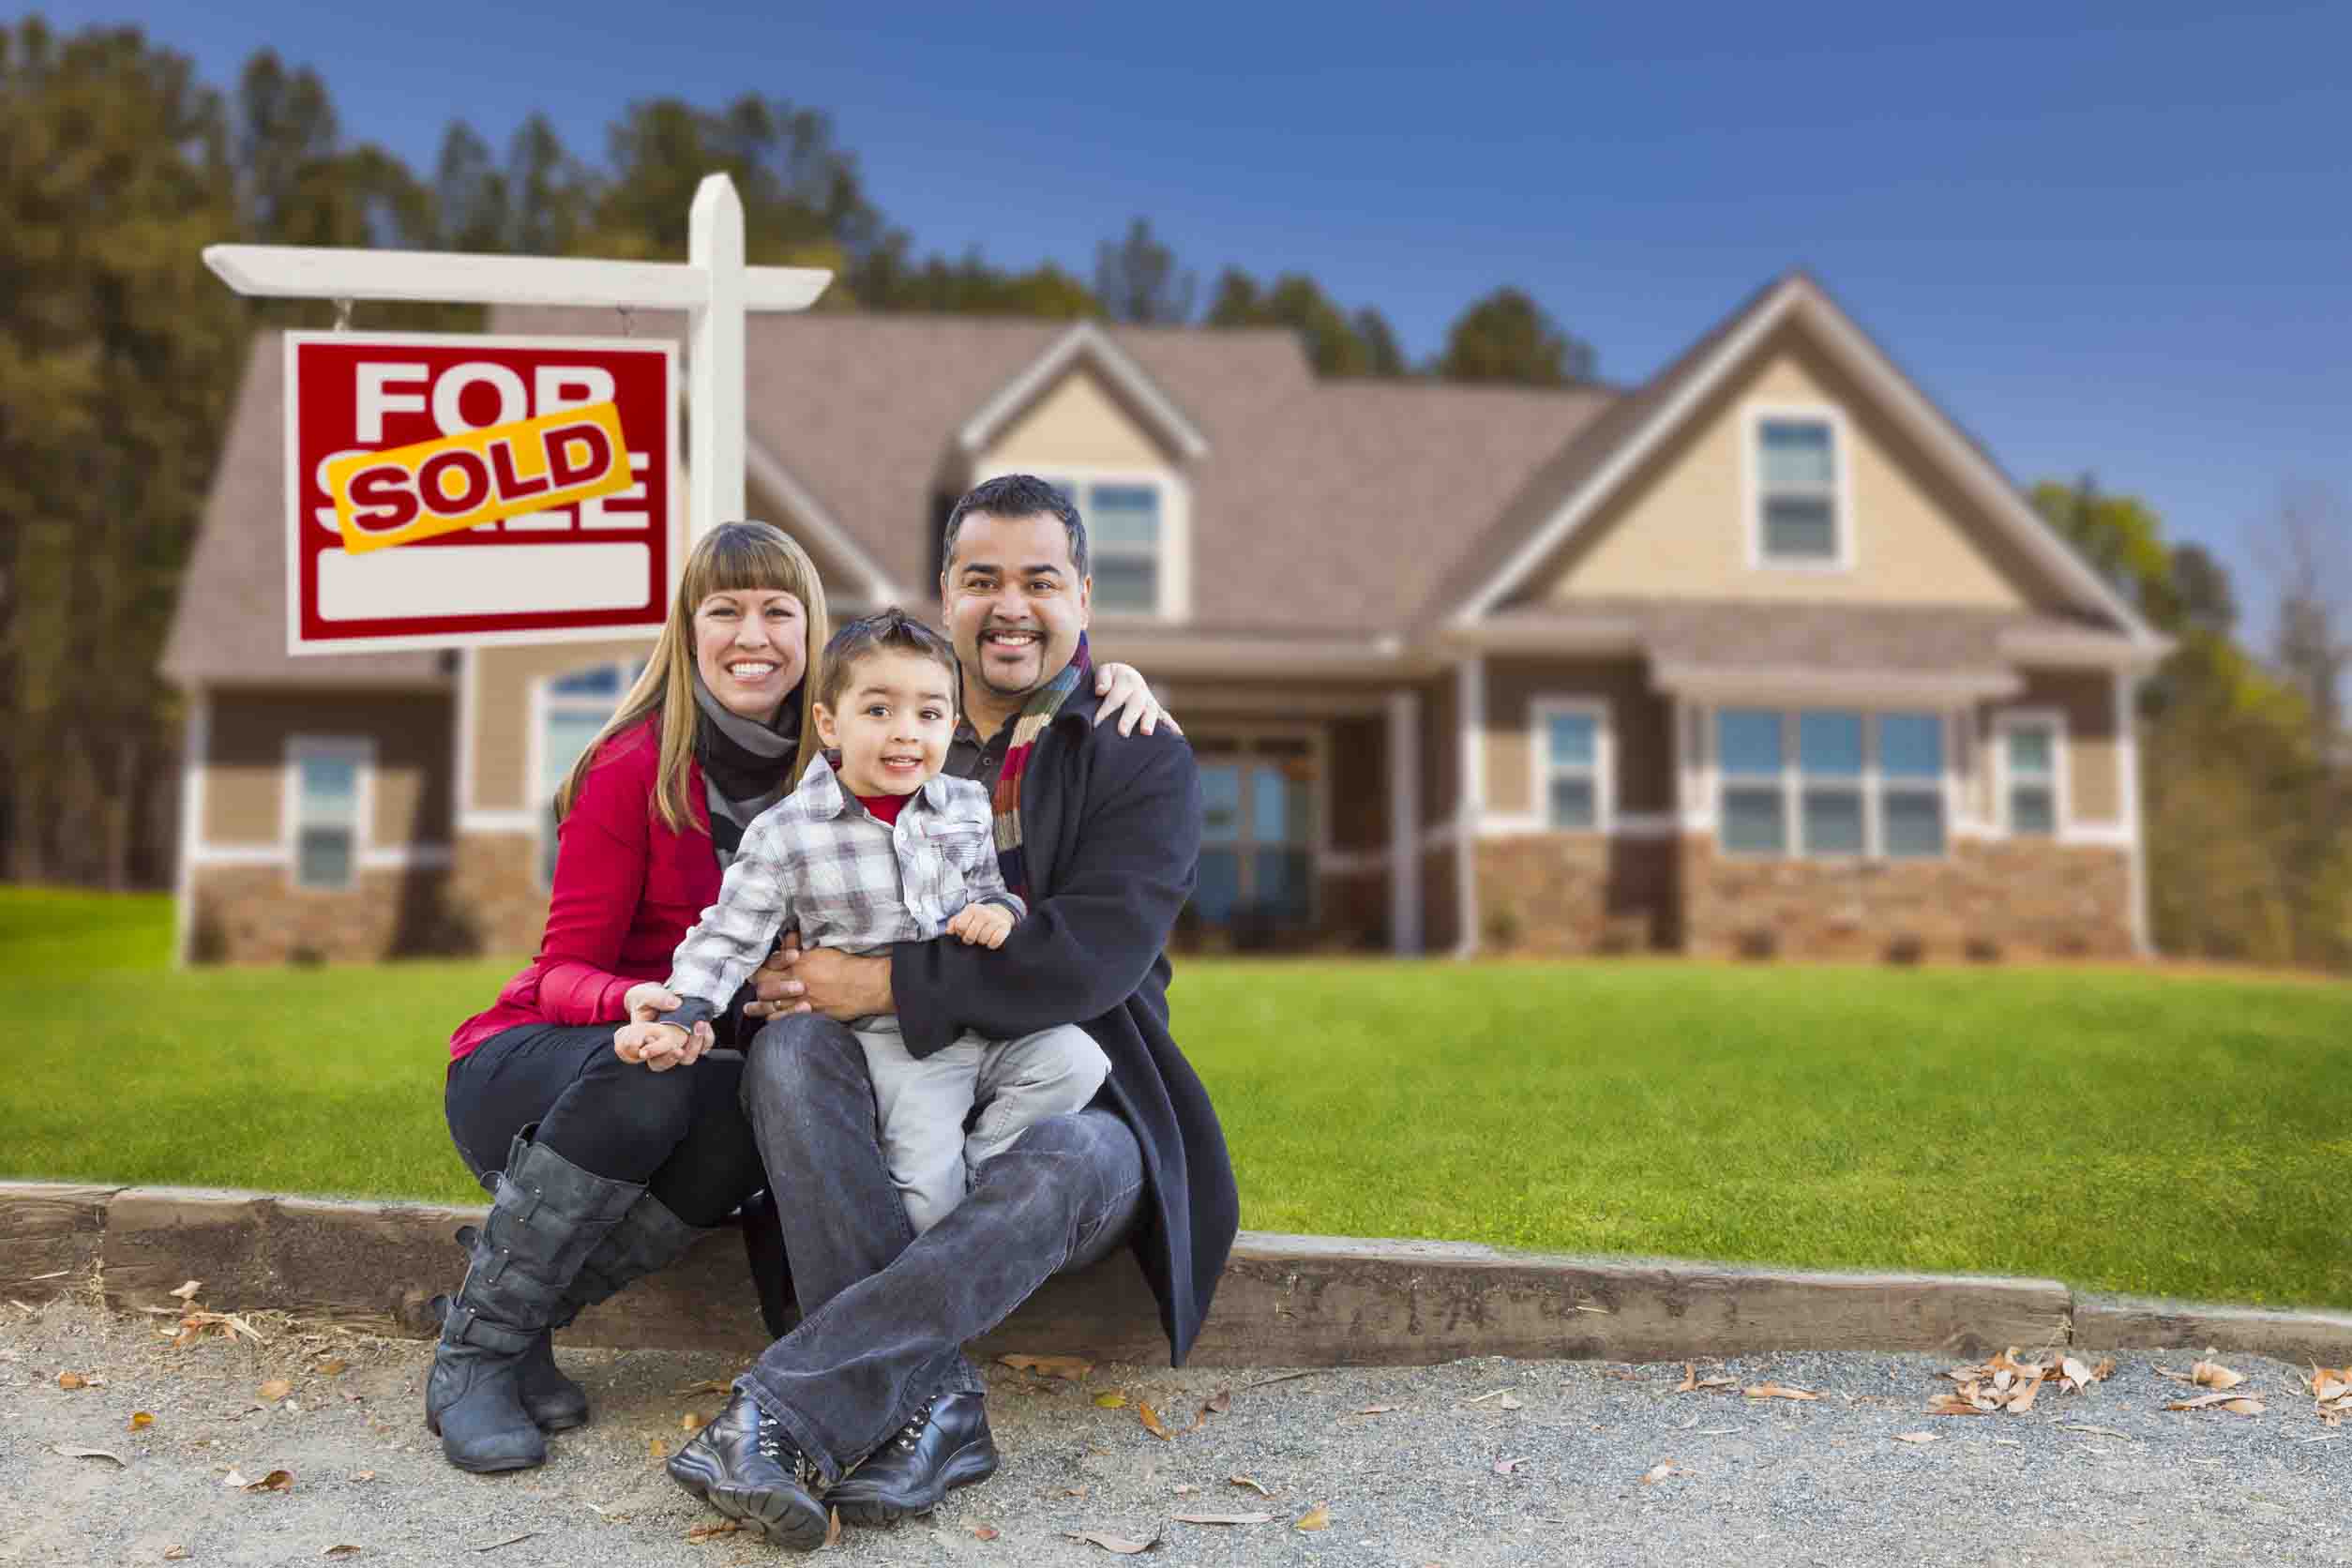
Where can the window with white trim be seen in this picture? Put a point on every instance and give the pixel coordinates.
(1830, 782)
(2031, 746)
(1797, 520)
(572, 709)
(1571, 764)
(327, 777)
(1124, 534)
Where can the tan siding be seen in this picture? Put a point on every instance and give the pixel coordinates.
(2093, 760)
(1641, 720)
(503, 679)
(1078, 422)
(244, 794)
(1679, 528)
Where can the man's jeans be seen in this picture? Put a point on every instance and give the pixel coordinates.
(886, 1314)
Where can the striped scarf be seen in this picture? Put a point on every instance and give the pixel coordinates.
(1042, 704)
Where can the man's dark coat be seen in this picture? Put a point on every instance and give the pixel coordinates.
(1110, 825)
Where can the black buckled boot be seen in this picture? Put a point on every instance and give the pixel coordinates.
(944, 1445)
(546, 1216)
(648, 1238)
(743, 1465)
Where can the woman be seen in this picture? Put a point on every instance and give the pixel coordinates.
(604, 1170)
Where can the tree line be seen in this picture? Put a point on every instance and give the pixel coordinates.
(120, 352)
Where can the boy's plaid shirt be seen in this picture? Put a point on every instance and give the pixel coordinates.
(820, 861)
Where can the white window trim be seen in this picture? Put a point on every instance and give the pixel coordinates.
(543, 700)
(2062, 774)
(358, 750)
(1754, 416)
(1871, 782)
(1542, 709)
(1175, 562)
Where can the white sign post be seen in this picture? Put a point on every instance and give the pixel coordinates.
(713, 287)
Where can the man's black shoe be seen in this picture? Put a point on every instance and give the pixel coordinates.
(743, 1465)
(944, 1444)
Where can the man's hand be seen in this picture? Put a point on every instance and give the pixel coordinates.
(660, 1046)
(1128, 700)
(840, 986)
(982, 924)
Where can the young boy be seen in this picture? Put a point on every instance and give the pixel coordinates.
(883, 850)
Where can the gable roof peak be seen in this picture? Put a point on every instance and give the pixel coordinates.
(1084, 341)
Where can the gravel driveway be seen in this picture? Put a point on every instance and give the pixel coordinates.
(1409, 1465)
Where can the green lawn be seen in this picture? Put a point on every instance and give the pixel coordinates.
(2118, 1130)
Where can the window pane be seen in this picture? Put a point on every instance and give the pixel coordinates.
(2032, 810)
(1796, 452)
(1127, 583)
(1910, 746)
(1282, 883)
(1574, 803)
(602, 680)
(1125, 517)
(330, 787)
(1270, 804)
(1747, 740)
(1829, 745)
(323, 858)
(1834, 822)
(2031, 753)
(1574, 740)
(566, 735)
(1752, 821)
(1220, 886)
(1285, 804)
(1220, 800)
(1914, 822)
(1799, 528)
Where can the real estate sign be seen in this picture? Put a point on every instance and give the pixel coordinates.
(453, 491)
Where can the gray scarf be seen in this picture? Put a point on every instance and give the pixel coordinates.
(747, 765)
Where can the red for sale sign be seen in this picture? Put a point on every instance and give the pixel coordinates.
(453, 491)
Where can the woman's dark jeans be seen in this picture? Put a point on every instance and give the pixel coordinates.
(680, 1133)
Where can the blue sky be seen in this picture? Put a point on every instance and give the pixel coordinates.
(2114, 238)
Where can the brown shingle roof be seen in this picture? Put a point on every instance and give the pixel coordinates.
(229, 626)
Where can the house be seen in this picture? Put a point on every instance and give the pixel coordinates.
(1763, 656)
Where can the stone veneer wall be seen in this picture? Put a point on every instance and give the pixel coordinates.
(1563, 892)
(494, 876)
(1354, 908)
(255, 914)
(2014, 898)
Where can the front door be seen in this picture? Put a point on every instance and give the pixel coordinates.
(1256, 834)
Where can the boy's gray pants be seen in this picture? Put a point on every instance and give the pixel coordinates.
(921, 1106)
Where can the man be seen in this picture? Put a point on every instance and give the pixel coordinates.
(1101, 834)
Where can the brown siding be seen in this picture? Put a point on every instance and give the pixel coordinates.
(1359, 784)
(2094, 761)
(503, 678)
(1641, 723)
(1441, 751)
(244, 799)
(1441, 929)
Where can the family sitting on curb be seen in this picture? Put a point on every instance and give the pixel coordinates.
(974, 913)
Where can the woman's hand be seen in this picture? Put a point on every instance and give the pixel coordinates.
(1127, 698)
(660, 1046)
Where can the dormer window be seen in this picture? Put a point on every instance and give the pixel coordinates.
(1799, 515)
(1126, 540)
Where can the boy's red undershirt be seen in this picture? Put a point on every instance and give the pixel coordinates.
(884, 808)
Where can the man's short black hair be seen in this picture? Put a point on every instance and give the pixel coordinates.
(1015, 495)
(893, 630)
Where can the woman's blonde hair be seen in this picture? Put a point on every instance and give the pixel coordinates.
(731, 558)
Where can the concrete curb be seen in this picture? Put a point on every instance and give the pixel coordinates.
(1285, 1301)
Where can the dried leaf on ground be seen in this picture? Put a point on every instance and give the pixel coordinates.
(334, 1368)
(274, 1390)
(657, 1448)
(71, 1380)
(361, 1476)
(1503, 1398)
(175, 1554)
(713, 1529)
(1378, 1409)
(1509, 1467)
(228, 1323)
(2094, 1431)
(1110, 1542)
(275, 1481)
(342, 1549)
(1151, 1419)
(2328, 1382)
(1217, 1404)
(1317, 1517)
(1072, 1368)
(2235, 1403)
(1692, 1382)
(1915, 1437)
(1113, 1400)
(708, 1385)
(141, 1420)
(981, 1532)
(510, 1541)
(833, 1527)
(1224, 1518)
(1956, 1404)
(2212, 1373)
(76, 1451)
(188, 1291)
(1658, 1472)
(2021, 1395)
(1777, 1391)
(1252, 1482)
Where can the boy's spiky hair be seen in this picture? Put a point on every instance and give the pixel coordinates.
(892, 628)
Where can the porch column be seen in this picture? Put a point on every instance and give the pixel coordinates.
(195, 752)
(1403, 822)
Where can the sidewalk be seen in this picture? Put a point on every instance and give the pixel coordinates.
(1475, 1462)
